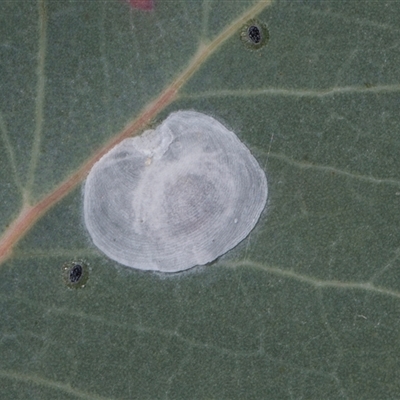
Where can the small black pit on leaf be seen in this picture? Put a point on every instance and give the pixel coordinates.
(75, 274)
(254, 34)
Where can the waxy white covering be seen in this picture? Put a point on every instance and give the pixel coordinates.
(175, 197)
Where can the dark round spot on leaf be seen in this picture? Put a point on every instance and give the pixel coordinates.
(75, 273)
(254, 34)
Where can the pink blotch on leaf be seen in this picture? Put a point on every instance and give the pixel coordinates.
(146, 5)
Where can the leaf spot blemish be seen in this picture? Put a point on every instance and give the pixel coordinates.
(75, 274)
(145, 5)
(254, 34)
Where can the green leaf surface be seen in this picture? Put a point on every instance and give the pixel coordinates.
(308, 306)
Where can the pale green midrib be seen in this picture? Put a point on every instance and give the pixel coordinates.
(40, 97)
(105, 68)
(317, 283)
(325, 168)
(206, 12)
(11, 154)
(328, 92)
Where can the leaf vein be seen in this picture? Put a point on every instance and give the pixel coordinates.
(328, 92)
(317, 283)
(40, 95)
(325, 168)
(39, 381)
(11, 154)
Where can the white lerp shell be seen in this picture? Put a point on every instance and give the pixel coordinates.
(177, 196)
